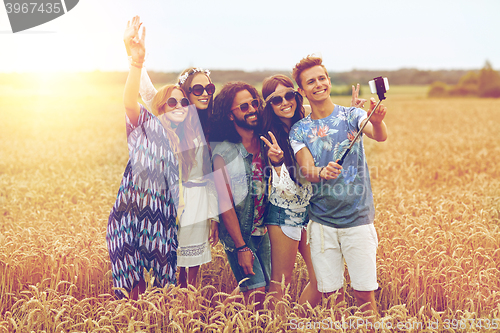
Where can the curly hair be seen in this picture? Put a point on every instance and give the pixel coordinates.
(222, 126)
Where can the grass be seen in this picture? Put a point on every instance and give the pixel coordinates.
(436, 184)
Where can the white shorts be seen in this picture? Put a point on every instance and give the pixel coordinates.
(331, 246)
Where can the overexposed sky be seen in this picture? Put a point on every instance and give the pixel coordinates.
(258, 34)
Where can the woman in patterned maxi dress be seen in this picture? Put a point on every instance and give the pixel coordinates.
(142, 229)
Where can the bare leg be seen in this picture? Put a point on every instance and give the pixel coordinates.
(283, 255)
(338, 299)
(138, 289)
(310, 293)
(363, 297)
(182, 277)
(368, 298)
(236, 291)
(192, 275)
(256, 298)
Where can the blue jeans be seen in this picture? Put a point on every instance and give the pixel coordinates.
(284, 216)
(261, 248)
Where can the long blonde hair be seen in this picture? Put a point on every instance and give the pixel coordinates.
(183, 146)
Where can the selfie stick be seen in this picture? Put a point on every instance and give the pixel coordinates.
(380, 86)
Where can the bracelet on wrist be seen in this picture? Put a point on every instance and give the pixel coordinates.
(319, 173)
(245, 249)
(136, 64)
(241, 247)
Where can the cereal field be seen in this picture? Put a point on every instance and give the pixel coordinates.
(436, 183)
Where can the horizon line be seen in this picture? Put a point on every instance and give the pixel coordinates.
(236, 70)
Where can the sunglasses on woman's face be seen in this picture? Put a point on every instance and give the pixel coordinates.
(245, 106)
(198, 89)
(277, 100)
(172, 102)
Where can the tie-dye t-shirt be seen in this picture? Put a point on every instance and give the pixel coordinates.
(347, 201)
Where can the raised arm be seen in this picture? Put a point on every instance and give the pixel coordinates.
(146, 89)
(376, 128)
(136, 46)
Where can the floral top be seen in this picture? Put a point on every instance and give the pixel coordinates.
(348, 200)
(258, 188)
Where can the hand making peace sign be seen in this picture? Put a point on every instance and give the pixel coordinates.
(274, 153)
(355, 100)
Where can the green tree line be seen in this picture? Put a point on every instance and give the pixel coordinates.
(396, 77)
(483, 83)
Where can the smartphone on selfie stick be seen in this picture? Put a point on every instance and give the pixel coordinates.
(379, 86)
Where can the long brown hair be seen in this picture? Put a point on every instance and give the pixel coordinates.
(181, 139)
(272, 123)
(203, 115)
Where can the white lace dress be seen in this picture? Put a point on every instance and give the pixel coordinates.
(199, 198)
(194, 225)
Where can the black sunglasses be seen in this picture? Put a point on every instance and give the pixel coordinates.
(172, 102)
(277, 100)
(245, 106)
(198, 89)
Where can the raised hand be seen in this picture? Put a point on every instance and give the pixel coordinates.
(274, 153)
(131, 31)
(379, 114)
(135, 44)
(355, 100)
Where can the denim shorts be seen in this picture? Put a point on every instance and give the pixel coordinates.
(261, 248)
(284, 216)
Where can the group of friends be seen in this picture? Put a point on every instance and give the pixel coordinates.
(258, 172)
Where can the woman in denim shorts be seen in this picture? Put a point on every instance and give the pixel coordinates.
(290, 193)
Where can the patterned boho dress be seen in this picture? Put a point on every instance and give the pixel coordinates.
(142, 229)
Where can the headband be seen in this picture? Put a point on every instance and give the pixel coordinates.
(184, 77)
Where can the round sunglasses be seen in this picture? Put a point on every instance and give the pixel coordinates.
(245, 106)
(172, 102)
(277, 100)
(198, 89)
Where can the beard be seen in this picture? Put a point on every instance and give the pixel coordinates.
(243, 123)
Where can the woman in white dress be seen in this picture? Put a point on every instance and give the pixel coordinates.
(198, 227)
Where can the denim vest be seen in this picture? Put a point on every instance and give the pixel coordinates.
(239, 167)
